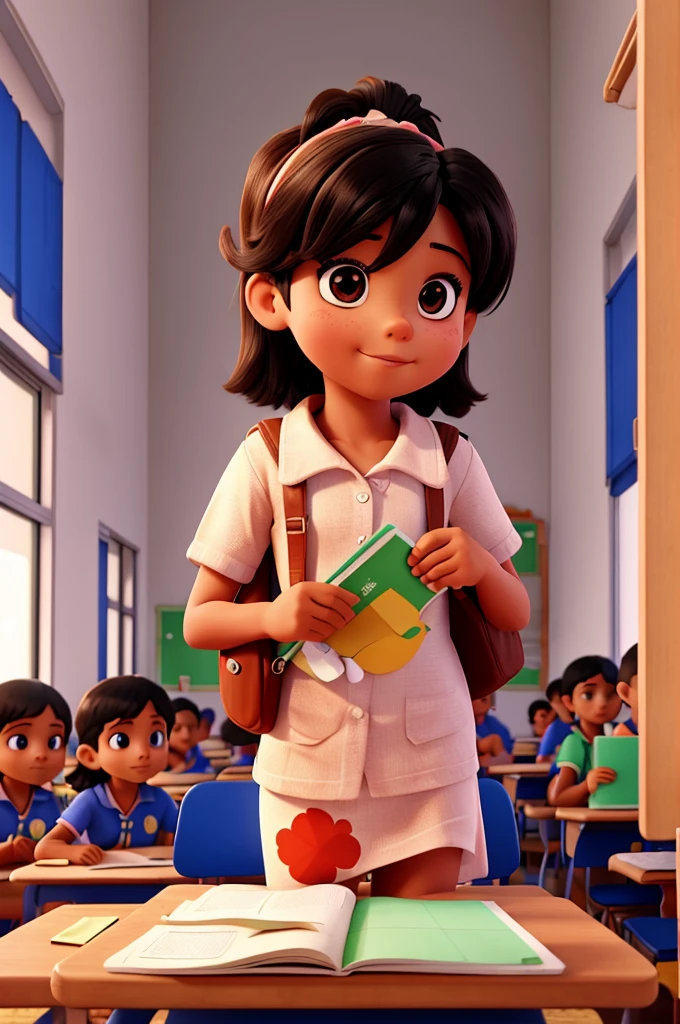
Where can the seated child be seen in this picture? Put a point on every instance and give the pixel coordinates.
(589, 692)
(122, 725)
(541, 715)
(244, 744)
(35, 722)
(626, 688)
(488, 726)
(205, 725)
(558, 730)
(184, 754)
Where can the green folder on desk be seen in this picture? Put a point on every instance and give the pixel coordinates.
(621, 754)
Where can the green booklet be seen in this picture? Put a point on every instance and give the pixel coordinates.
(387, 629)
(323, 929)
(621, 754)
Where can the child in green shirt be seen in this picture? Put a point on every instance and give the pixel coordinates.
(589, 692)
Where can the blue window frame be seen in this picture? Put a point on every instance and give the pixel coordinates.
(621, 364)
(117, 606)
(31, 231)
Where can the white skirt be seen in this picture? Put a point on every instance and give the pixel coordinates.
(306, 842)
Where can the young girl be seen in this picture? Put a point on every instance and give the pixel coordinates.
(35, 722)
(184, 754)
(367, 250)
(122, 725)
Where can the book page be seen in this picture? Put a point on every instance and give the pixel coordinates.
(129, 859)
(663, 860)
(446, 936)
(312, 906)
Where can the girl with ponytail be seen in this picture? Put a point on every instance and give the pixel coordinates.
(367, 249)
(123, 725)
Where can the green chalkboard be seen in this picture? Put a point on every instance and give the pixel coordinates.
(175, 658)
(526, 560)
(525, 679)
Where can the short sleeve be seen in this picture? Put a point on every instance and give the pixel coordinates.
(572, 754)
(235, 530)
(169, 813)
(477, 509)
(78, 815)
(549, 741)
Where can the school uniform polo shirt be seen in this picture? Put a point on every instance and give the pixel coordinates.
(492, 726)
(577, 752)
(39, 817)
(554, 736)
(95, 817)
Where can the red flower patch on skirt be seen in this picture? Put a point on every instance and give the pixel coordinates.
(314, 847)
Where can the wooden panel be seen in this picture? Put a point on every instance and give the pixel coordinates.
(658, 176)
(623, 65)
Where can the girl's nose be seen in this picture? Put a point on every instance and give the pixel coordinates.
(398, 329)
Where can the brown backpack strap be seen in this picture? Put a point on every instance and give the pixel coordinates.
(294, 505)
(434, 496)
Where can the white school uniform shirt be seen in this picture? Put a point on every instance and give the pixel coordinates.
(406, 731)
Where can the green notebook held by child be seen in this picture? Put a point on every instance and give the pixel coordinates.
(387, 628)
(324, 930)
(621, 754)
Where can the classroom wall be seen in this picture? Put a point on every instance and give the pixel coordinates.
(592, 159)
(98, 57)
(223, 79)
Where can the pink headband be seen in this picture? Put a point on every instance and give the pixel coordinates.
(374, 119)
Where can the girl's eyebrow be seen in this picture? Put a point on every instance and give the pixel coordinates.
(15, 725)
(118, 722)
(448, 248)
(58, 725)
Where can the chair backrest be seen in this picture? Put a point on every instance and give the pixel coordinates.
(218, 832)
(500, 831)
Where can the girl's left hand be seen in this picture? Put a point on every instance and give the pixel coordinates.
(450, 557)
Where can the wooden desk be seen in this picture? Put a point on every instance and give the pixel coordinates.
(186, 779)
(27, 958)
(602, 970)
(540, 812)
(518, 769)
(584, 815)
(648, 876)
(77, 883)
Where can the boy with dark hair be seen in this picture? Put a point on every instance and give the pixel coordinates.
(626, 687)
(589, 692)
(183, 753)
(557, 731)
(541, 715)
(488, 726)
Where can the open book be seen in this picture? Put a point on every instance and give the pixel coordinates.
(130, 859)
(386, 630)
(335, 935)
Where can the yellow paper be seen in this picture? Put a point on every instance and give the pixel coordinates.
(83, 931)
(375, 640)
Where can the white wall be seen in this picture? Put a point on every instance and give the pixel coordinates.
(224, 78)
(592, 154)
(98, 56)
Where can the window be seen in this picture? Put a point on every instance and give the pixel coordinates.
(25, 524)
(117, 605)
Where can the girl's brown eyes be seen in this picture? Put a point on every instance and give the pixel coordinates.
(438, 297)
(344, 282)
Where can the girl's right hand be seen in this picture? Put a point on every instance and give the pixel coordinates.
(85, 855)
(309, 611)
(599, 777)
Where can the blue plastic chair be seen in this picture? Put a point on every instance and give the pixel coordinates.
(218, 832)
(659, 935)
(500, 832)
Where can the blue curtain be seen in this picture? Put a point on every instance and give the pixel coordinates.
(621, 358)
(9, 191)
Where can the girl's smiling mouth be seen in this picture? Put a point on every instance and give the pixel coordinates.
(390, 360)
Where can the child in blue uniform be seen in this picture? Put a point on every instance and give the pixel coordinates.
(184, 754)
(557, 731)
(487, 725)
(35, 722)
(122, 725)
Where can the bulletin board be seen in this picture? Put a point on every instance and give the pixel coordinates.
(176, 661)
(531, 563)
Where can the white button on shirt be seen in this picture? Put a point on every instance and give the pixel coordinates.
(363, 497)
(357, 713)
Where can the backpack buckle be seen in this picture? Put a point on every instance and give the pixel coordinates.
(302, 527)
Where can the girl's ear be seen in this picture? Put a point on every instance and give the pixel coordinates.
(469, 325)
(568, 703)
(623, 690)
(88, 757)
(265, 303)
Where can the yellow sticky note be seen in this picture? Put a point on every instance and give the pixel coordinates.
(83, 931)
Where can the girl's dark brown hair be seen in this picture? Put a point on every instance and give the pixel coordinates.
(337, 193)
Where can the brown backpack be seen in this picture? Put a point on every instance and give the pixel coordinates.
(250, 674)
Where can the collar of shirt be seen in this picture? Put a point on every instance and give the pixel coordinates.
(304, 451)
(145, 795)
(40, 795)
